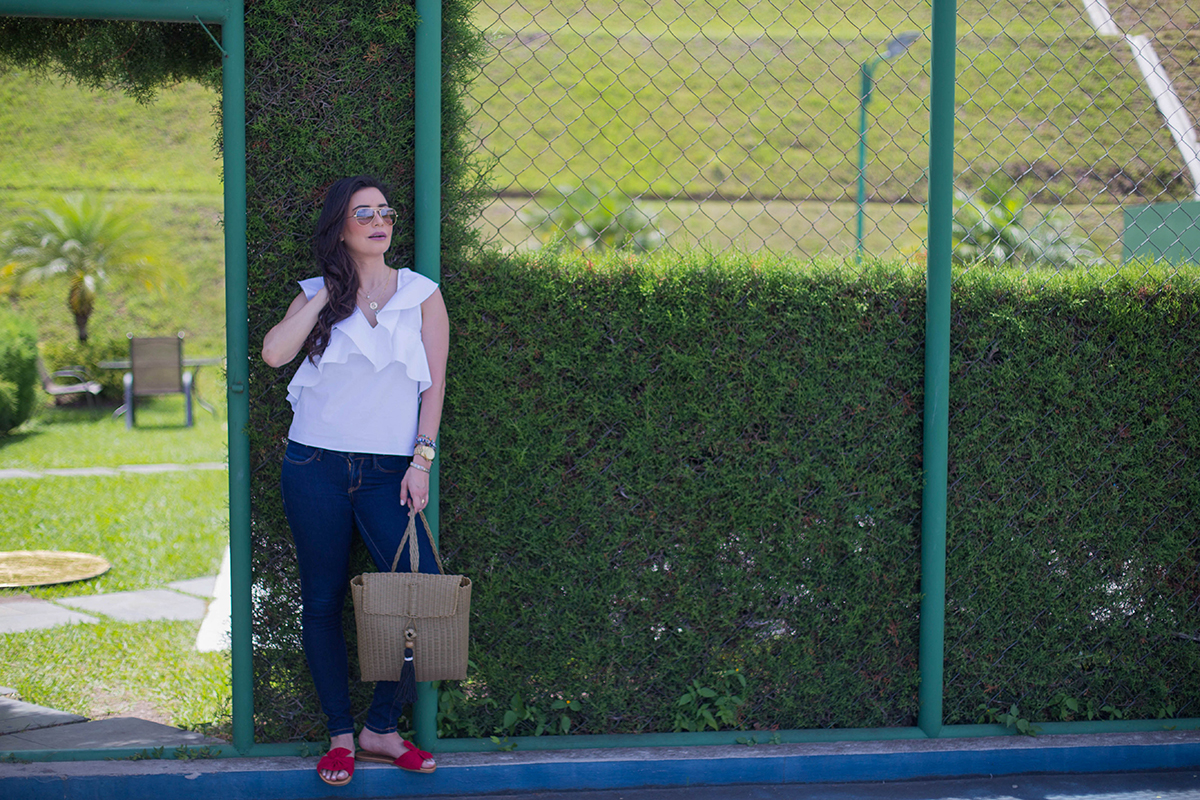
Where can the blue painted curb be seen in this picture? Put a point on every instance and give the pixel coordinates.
(497, 773)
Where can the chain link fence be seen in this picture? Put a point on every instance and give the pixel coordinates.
(800, 127)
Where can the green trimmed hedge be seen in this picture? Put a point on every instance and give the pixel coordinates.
(664, 474)
(18, 370)
(661, 472)
(1074, 555)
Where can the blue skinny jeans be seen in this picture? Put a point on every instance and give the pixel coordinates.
(327, 495)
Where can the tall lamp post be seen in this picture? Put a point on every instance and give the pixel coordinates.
(894, 48)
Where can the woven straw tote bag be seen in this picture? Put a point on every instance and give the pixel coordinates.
(428, 614)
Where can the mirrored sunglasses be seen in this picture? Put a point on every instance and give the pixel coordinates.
(364, 216)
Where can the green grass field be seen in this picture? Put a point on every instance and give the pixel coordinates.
(782, 120)
(55, 136)
(58, 139)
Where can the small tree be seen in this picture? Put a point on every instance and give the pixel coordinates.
(86, 239)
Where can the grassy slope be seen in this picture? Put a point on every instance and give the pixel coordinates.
(54, 135)
(782, 117)
(725, 99)
(56, 139)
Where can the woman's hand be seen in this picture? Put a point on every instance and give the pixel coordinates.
(414, 489)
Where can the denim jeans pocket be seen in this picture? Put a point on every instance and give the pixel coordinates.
(300, 454)
(391, 465)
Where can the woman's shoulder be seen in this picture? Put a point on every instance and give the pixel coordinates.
(310, 286)
(413, 288)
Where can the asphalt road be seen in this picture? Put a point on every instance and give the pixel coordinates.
(1184, 785)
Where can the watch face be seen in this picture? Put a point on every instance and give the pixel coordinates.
(424, 451)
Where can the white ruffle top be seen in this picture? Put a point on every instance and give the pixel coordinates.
(362, 394)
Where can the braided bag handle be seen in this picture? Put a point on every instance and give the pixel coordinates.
(414, 552)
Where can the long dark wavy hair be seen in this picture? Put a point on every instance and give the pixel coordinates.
(341, 278)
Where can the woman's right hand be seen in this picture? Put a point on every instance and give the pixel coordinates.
(283, 342)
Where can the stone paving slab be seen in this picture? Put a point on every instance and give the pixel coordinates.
(140, 606)
(201, 587)
(104, 733)
(16, 716)
(24, 613)
(215, 631)
(82, 471)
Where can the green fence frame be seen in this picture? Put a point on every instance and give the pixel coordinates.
(230, 15)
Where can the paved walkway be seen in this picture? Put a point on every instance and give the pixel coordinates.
(125, 469)
(204, 598)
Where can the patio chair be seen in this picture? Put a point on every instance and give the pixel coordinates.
(68, 381)
(156, 368)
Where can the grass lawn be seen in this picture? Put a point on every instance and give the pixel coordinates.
(150, 670)
(152, 528)
(703, 116)
(77, 436)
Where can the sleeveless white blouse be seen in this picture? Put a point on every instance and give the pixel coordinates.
(362, 394)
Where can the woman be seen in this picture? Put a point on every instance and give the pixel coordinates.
(367, 403)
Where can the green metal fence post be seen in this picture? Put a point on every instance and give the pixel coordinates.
(427, 179)
(237, 335)
(864, 97)
(937, 368)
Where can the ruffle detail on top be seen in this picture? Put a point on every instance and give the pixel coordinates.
(396, 337)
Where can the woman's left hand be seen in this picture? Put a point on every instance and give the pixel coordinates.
(414, 489)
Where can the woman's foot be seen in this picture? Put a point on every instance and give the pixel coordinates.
(339, 777)
(395, 748)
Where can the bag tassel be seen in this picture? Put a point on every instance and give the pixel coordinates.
(406, 692)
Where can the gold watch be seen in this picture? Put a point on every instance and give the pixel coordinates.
(424, 451)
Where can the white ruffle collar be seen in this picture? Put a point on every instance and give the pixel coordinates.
(396, 336)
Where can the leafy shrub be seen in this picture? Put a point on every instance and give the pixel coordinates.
(989, 226)
(590, 219)
(18, 370)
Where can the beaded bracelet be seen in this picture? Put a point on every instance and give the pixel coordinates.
(425, 440)
(415, 465)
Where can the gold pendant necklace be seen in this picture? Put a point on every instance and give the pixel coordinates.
(370, 303)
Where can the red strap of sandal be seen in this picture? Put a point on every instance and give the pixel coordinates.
(338, 759)
(419, 752)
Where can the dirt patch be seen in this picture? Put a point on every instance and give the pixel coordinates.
(1049, 182)
(107, 704)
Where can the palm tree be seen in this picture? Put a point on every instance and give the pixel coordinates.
(84, 238)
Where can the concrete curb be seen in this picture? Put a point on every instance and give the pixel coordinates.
(562, 770)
